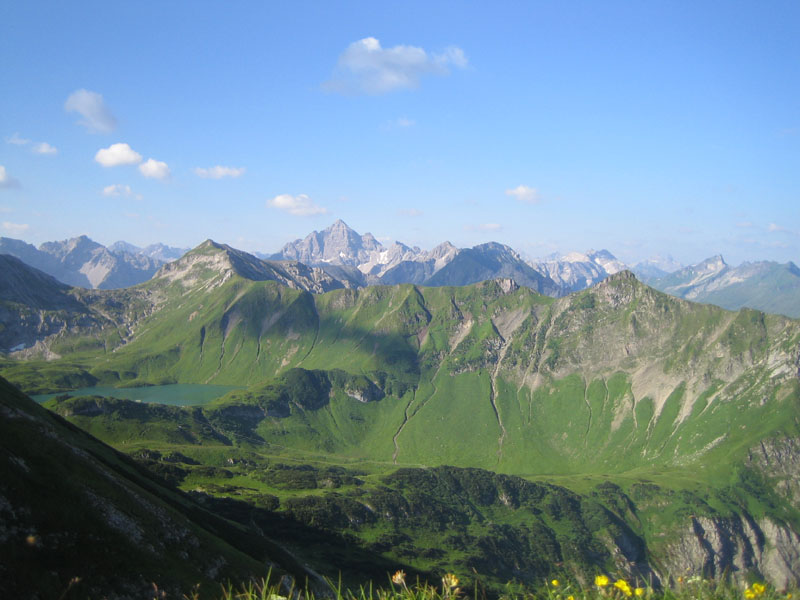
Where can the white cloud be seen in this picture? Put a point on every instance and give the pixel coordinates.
(452, 55)
(118, 154)
(367, 68)
(96, 116)
(15, 227)
(218, 172)
(154, 169)
(16, 140)
(40, 148)
(45, 148)
(524, 193)
(6, 180)
(300, 205)
(120, 190)
(117, 190)
(775, 228)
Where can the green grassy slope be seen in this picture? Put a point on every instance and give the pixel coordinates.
(74, 507)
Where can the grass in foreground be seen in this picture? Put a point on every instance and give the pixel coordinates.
(603, 588)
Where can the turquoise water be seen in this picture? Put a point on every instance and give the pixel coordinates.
(174, 394)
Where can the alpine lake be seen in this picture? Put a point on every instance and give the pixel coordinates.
(174, 394)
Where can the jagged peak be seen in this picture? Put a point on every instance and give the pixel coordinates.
(713, 261)
(339, 225)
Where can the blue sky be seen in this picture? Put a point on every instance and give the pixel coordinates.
(642, 127)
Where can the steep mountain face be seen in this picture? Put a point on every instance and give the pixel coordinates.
(682, 282)
(575, 271)
(365, 261)
(766, 286)
(78, 517)
(416, 268)
(84, 263)
(24, 285)
(379, 261)
(34, 306)
(489, 261)
(338, 244)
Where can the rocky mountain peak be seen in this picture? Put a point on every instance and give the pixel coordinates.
(624, 275)
(123, 246)
(714, 263)
(338, 244)
(74, 250)
(497, 249)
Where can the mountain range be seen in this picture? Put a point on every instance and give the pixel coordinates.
(349, 259)
(82, 262)
(768, 286)
(482, 428)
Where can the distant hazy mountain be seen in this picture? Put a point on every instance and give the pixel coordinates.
(340, 251)
(82, 262)
(341, 246)
(657, 266)
(358, 260)
(490, 261)
(163, 252)
(339, 256)
(690, 280)
(575, 271)
(122, 246)
(768, 286)
(415, 266)
(160, 252)
(338, 245)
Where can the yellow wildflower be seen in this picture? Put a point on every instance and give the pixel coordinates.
(555, 583)
(449, 581)
(399, 577)
(749, 594)
(601, 581)
(570, 597)
(759, 588)
(638, 592)
(623, 586)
